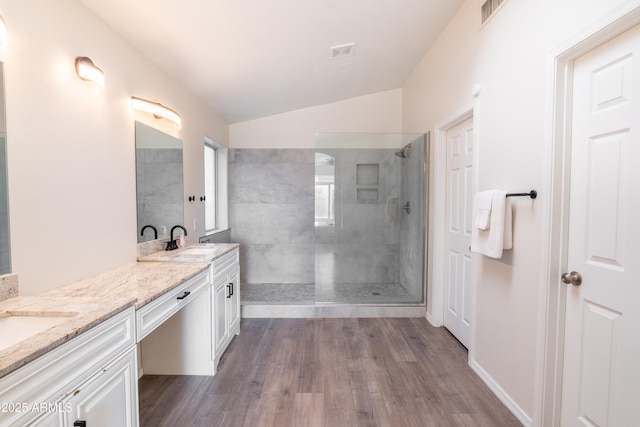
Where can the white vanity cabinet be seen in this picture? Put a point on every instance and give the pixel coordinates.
(91, 378)
(225, 302)
(194, 338)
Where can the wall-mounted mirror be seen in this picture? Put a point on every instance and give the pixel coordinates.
(5, 248)
(159, 184)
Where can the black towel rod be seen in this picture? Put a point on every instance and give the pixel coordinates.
(533, 194)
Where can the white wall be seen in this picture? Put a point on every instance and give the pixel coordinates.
(71, 145)
(378, 112)
(508, 59)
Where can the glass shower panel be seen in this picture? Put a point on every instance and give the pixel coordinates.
(369, 218)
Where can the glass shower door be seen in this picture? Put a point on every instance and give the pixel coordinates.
(369, 200)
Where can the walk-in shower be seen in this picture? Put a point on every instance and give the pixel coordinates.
(372, 248)
(340, 224)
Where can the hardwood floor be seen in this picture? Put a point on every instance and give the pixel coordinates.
(330, 372)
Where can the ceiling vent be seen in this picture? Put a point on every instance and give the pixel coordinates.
(490, 7)
(341, 51)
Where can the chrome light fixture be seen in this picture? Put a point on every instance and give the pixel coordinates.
(86, 70)
(158, 110)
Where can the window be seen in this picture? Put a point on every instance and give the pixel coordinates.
(210, 186)
(216, 187)
(325, 190)
(324, 203)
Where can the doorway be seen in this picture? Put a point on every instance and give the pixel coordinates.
(582, 382)
(601, 376)
(459, 261)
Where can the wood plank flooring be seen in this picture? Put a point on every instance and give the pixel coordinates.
(330, 372)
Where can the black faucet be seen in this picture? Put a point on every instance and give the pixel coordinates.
(155, 231)
(171, 244)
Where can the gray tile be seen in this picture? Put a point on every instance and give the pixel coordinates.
(287, 293)
(272, 223)
(279, 263)
(272, 183)
(249, 155)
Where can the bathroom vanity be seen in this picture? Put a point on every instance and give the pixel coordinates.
(220, 304)
(81, 348)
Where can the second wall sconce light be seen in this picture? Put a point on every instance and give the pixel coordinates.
(86, 70)
(158, 110)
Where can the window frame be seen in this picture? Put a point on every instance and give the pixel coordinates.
(210, 228)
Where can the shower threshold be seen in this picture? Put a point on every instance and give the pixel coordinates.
(329, 300)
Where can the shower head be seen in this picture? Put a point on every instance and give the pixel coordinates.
(402, 154)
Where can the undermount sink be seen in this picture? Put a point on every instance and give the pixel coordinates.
(196, 254)
(19, 326)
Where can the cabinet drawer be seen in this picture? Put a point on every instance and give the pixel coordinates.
(52, 376)
(156, 312)
(220, 265)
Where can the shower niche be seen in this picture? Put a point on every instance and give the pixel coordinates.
(367, 178)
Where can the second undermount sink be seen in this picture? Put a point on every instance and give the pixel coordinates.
(19, 326)
(204, 254)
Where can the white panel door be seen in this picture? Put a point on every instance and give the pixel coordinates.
(459, 268)
(601, 372)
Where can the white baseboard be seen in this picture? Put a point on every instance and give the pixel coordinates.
(429, 318)
(504, 397)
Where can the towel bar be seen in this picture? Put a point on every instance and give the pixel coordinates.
(533, 194)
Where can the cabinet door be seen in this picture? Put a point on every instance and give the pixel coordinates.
(219, 305)
(233, 302)
(109, 398)
(51, 419)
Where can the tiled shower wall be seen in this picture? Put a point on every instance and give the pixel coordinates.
(271, 204)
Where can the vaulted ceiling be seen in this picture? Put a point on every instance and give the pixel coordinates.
(255, 58)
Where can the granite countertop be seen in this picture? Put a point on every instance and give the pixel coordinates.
(144, 281)
(90, 301)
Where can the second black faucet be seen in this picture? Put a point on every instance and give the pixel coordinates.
(171, 244)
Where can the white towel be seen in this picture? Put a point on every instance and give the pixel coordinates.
(482, 209)
(498, 236)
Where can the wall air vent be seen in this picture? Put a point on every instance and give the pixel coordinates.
(490, 7)
(341, 51)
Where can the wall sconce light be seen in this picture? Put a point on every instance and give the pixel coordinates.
(158, 110)
(86, 70)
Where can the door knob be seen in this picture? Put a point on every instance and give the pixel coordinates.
(574, 278)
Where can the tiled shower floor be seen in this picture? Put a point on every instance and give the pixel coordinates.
(309, 293)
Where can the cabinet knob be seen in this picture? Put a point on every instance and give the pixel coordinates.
(184, 295)
(203, 198)
(80, 423)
